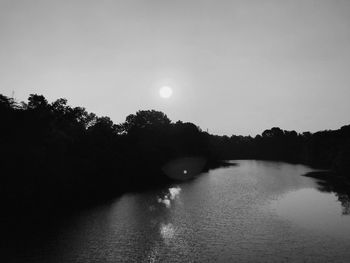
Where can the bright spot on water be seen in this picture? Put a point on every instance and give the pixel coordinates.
(165, 201)
(185, 171)
(174, 192)
(167, 231)
(168, 197)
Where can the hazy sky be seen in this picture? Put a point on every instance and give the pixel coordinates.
(235, 67)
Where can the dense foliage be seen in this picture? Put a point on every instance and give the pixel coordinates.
(59, 152)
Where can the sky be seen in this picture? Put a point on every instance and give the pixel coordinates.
(235, 67)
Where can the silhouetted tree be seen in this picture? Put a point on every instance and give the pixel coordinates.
(150, 119)
(37, 102)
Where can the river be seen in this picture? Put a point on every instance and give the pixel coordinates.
(255, 211)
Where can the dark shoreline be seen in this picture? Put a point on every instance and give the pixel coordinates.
(329, 176)
(37, 207)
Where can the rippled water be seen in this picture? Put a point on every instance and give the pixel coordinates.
(256, 211)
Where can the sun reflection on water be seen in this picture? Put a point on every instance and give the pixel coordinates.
(167, 231)
(171, 195)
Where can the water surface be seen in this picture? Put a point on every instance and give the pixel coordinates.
(255, 211)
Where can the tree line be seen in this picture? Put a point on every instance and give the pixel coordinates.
(55, 152)
(329, 149)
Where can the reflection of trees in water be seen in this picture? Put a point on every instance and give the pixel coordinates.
(331, 183)
(342, 194)
(345, 202)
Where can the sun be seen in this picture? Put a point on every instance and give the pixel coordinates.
(165, 92)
